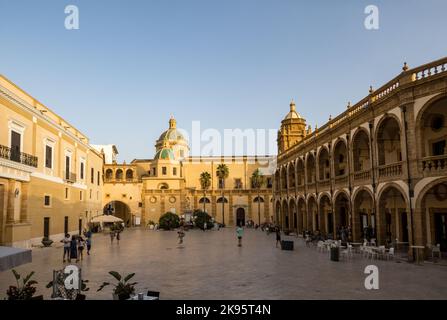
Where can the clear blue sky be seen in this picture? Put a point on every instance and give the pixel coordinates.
(229, 64)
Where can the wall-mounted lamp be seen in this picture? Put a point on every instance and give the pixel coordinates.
(17, 192)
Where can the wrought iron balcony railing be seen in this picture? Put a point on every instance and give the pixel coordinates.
(16, 156)
(69, 176)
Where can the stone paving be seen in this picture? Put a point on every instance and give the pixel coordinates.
(211, 266)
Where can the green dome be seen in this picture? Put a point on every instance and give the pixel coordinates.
(165, 154)
(170, 135)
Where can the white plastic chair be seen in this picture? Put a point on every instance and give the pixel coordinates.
(436, 250)
(390, 254)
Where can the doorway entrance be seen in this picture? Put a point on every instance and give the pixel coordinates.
(441, 230)
(404, 226)
(240, 217)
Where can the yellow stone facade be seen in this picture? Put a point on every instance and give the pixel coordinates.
(382, 163)
(50, 177)
(146, 188)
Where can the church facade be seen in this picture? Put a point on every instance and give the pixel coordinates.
(141, 191)
(381, 165)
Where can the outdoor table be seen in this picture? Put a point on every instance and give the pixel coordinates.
(417, 252)
(356, 246)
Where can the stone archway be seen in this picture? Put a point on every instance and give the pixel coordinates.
(364, 220)
(432, 213)
(119, 209)
(312, 214)
(301, 212)
(341, 216)
(240, 217)
(326, 216)
(393, 216)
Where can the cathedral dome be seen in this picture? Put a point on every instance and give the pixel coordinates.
(172, 135)
(292, 113)
(165, 154)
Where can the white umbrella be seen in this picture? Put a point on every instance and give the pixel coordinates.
(12, 257)
(106, 218)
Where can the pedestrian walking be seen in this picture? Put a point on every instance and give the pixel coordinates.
(239, 234)
(118, 237)
(66, 242)
(181, 235)
(278, 236)
(89, 244)
(204, 226)
(81, 246)
(73, 249)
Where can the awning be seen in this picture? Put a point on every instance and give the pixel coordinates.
(106, 218)
(13, 257)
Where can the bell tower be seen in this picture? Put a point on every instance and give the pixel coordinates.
(292, 131)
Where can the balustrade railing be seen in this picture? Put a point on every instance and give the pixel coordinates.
(362, 175)
(69, 176)
(16, 156)
(341, 179)
(390, 170)
(434, 163)
(324, 184)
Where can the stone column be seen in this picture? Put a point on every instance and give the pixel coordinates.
(11, 197)
(213, 206)
(230, 210)
(250, 213)
(418, 224)
(266, 209)
(24, 202)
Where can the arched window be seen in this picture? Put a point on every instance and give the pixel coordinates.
(206, 200)
(222, 199)
(163, 186)
(388, 142)
(119, 174)
(129, 174)
(258, 199)
(109, 174)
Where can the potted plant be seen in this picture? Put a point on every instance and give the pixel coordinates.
(59, 289)
(46, 241)
(123, 288)
(24, 291)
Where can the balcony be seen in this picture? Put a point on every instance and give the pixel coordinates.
(434, 165)
(362, 175)
(324, 184)
(20, 157)
(390, 170)
(69, 177)
(341, 180)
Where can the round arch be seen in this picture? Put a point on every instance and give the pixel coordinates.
(431, 209)
(393, 215)
(382, 142)
(431, 142)
(120, 210)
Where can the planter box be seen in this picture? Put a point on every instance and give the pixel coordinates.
(287, 245)
(335, 254)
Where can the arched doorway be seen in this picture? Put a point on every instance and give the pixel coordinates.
(363, 216)
(277, 212)
(301, 215)
(393, 215)
(285, 215)
(119, 209)
(341, 212)
(312, 214)
(327, 224)
(240, 217)
(434, 213)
